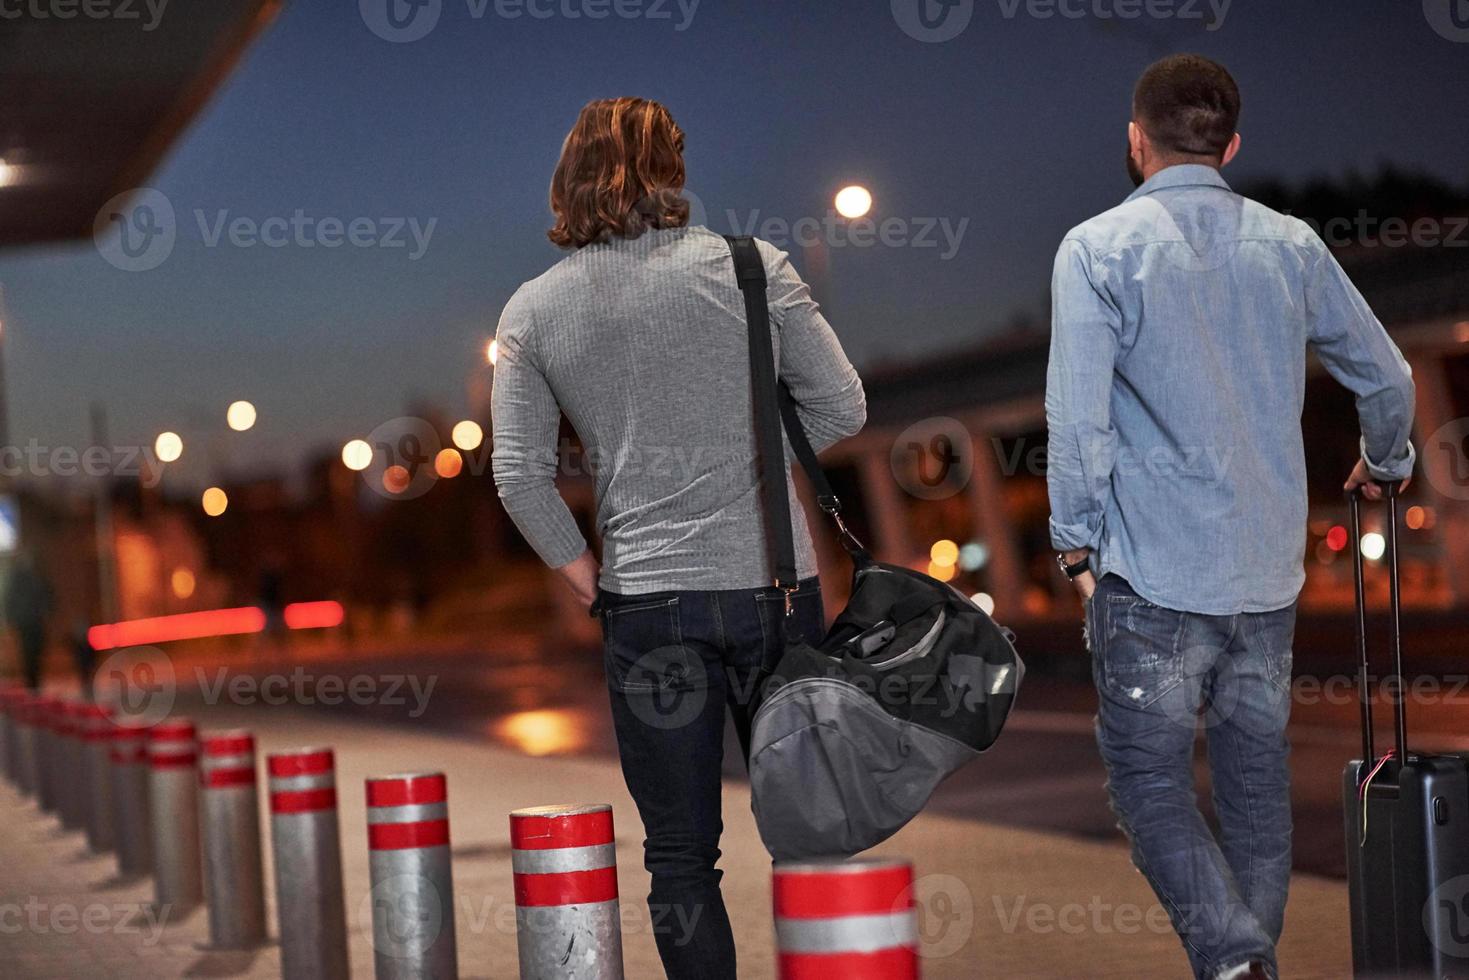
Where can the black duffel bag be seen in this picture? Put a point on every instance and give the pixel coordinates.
(852, 736)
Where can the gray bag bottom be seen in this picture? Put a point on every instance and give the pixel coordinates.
(832, 773)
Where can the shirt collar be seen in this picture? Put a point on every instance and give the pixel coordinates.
(1181, 175)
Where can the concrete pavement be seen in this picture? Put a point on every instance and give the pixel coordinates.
(995, 901)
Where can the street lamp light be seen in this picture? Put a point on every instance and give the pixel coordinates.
(467, 435)
(240, 416)
(357, 455)
(853, 202)
(215, 501)
(168, 446)
(492, 352)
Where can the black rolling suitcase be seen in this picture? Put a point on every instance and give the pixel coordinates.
(1407, 826)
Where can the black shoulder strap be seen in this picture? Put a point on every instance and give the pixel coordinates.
(774, 409)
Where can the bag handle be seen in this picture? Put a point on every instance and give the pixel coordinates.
(774, 409)
(1400, 720)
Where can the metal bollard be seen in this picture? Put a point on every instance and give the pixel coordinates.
(27, 713)
(13, 698)
(127, 754)
(48, 753)
(306, 843)
(71, 790)
(851, 919)
(173, 814)
(96, 736)
(230, 813)
(567, 921)
(412, 882)
(8, 690)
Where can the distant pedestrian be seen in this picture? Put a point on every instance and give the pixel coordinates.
(83, 654)
(1178, 496)
(27, 608)
(639, 337)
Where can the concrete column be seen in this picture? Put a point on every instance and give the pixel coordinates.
(1437, 462)
(1006, 567)
(883, 499)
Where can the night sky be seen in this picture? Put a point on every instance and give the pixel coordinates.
(1012, 131)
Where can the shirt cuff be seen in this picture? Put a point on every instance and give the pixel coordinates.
(1390, 470)
(1072, 537)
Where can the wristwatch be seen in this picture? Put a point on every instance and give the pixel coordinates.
(1073, 569)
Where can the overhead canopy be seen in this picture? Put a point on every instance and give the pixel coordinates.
(90, 104)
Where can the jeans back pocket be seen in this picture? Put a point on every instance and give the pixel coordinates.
(644, 650)
(1137, 654)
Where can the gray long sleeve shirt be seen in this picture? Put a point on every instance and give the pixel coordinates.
(642, 344)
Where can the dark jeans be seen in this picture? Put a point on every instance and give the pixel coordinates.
(677, 663)
(1158, 671)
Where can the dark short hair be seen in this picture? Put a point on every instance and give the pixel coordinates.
(621, 172)
(1187, 105)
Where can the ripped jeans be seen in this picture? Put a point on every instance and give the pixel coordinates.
(1158, 673)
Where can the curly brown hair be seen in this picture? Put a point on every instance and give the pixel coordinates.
(621, 172)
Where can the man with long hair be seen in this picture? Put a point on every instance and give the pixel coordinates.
(639, 337)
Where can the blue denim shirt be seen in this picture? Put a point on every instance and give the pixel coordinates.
(1180, 324)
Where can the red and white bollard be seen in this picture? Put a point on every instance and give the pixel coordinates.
(127, 754)
(412, 881)
(13, 701)
(8, 701)
(230, 812)
(72, 792)
(306, 843)
(96, 736)
(173, 814)
(567, 921)
(48, 721)
(851, 919)
(27, 710)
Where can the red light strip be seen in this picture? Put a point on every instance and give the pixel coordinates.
(210, 622)
(314, 615)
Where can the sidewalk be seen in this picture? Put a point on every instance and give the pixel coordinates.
(997, 902)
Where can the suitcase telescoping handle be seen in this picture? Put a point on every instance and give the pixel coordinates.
(1400, 720)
